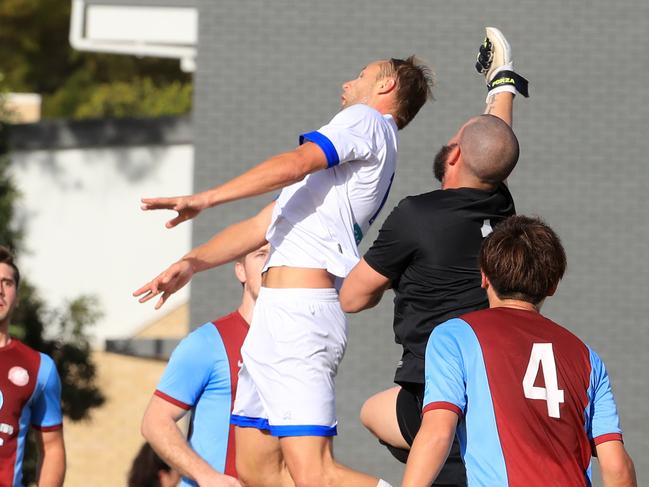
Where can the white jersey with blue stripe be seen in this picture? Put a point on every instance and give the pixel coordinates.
(319, 221)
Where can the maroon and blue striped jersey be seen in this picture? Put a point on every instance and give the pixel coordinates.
(202, 377)
(30, 396)
(533, 399)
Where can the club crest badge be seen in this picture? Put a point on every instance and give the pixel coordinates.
(19, 376)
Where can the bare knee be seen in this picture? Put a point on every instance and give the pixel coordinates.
(259, 459)
(310, 461)
(246, 474)
(261, 474)
(379, 416)
(305, 476)
(367, 414)
(376, 411)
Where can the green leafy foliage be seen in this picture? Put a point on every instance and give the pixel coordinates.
(36, 56)
(9, 235)
(137, 98)
(71, 350)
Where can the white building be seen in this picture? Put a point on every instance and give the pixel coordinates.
(80, 185)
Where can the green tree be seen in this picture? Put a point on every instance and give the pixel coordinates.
(36, 56)
(70, 347)
(138, 97)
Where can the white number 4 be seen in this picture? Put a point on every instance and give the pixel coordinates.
(543, 356)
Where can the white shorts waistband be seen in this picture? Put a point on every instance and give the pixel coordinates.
(329, 295)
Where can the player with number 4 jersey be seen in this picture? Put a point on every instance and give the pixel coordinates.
(517, 405)
(530, 401)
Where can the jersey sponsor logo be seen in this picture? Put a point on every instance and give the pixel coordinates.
(358, 234)
(486, 228)
(6, 429)
(503, 81)
(18, 376)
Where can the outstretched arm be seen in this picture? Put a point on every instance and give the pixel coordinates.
(496, 64)
(501, 105)
(233, 242)
(228, 245)
(272, 174)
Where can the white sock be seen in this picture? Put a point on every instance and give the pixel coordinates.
(383, 483)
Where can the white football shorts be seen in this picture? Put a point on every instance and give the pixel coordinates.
(296, 340)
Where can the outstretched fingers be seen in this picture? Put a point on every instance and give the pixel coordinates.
(185, 206)
(147, 292)
(153, 288)
(181, 217)
(167, 283)
(158, 203)
(162, 300)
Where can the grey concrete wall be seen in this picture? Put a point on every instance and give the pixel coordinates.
(270, 70)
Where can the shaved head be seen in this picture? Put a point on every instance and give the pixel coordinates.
(489, 148)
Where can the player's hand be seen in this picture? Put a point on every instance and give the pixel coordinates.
(495, 62)
(494, 55)
(219, 480)
(186, 206)
(167, 283)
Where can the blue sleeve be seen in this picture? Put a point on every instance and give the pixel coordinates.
(603, 415)
(325, 144)
(190, 367)
(350, 136)
(46, 403)
(445, 375)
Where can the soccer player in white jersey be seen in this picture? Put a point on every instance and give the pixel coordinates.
(335, 183)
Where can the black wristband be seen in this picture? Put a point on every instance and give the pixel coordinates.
(509, 78)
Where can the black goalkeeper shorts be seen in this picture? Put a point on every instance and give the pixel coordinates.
(409, 405)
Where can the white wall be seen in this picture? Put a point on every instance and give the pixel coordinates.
(85, 233)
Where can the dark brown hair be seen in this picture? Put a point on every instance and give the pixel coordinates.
(523, 259)
(146, 466)
(414, 86)
(6, 257)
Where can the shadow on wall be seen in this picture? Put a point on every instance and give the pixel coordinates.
(56, 135)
